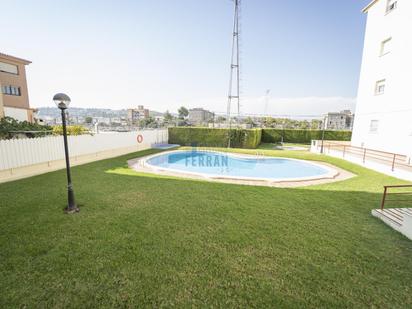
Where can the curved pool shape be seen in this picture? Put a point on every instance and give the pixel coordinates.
(234, 166)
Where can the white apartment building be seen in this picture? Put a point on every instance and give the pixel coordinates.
(384, 108)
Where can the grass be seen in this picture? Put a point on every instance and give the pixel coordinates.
(149, 241)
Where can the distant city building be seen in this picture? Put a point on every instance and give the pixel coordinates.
(200, 116)
(102, 120)
(383, 110)
(340, 121)
(136, 114)
(116, 120)
(14, 97)
(159, 118)
(48, 120)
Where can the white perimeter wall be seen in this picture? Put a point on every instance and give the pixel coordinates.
(19, 153)
(393, 109)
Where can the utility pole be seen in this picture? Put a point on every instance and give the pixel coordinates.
(265, 112)
(234, 79)
(324, 124)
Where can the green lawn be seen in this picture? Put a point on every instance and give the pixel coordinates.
(149, 241)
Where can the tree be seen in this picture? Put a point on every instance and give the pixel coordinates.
(149, 122)
(88, 120)
(270, 122)
(304, 125)
(250, 121)
(183, 112)
(168, 116)
(316, 124)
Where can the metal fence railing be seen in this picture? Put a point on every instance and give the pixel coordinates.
(393, 160)
(399, 197)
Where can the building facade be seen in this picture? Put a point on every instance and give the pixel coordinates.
(340, 121)
(199, 116)
(136, 114)
(384, 107)
(14, 97)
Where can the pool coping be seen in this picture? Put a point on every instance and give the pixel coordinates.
(334, 173)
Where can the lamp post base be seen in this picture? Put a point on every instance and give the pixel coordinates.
(71, 210)
(71, 205)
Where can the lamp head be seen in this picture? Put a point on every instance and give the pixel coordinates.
(61, 100)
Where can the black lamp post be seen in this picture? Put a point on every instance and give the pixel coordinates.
(62, 101)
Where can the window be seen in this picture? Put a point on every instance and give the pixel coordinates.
(15, 90)
(9, 68)
(374, 126)
(391, 5)
(386, 46)
(11, 90)
(380, 87)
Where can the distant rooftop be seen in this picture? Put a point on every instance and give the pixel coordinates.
(346, 112)
(15, 59)
(197, 109)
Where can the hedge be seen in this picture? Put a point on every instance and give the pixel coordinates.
(208, 137)
(241, 138)
(303, 136)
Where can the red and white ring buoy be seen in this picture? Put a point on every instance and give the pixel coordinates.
(140, 138)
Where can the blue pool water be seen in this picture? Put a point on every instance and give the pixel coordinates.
(216, 164)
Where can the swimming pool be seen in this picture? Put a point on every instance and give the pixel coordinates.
(213, 164)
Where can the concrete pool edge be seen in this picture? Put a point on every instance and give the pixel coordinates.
(334, 173)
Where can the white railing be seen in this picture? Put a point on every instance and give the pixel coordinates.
(29, 151)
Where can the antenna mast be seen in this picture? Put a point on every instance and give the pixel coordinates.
(265, 112)
(234, 80)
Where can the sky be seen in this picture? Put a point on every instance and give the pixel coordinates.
(164, 54)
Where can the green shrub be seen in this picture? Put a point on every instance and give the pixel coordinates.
(208, 137)
(9, 125)
(302, 136)
(71, 130)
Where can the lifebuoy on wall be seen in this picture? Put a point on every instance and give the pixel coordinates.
(140, 138)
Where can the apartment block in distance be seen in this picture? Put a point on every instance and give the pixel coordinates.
(14, 97)
(384, 107)
(340, 121)
(136, 114)
(198, 116)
